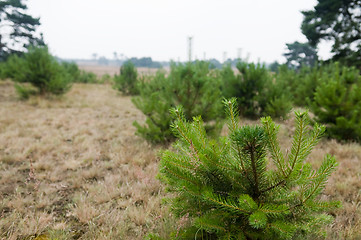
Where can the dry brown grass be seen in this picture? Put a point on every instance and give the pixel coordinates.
(72, 168)
(111, 70)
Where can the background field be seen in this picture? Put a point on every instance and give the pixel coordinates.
(72, 168)
(111, 70)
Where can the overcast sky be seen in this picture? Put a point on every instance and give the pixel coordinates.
(159, 28)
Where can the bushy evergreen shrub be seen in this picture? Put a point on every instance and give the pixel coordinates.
(337, 103)
(14, 67)
(257, 91)
(253, 79)
(127, 80)
(227, 190)
(72, 69)
(290, 80)
(87, 77)
(40, 69)
(276, 99)
(24, 91)
(307, 81)
(302, 83)
(194, 86)
(2, 69)
(106, 78)
(77, 75)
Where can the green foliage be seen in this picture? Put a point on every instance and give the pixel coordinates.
(40, 69)
(253, 80)
(87, 77)
(273, 67)
(24, 91)
(300, 54)
(339, 22)
(106, 78)
(14, 67)
(227, 190)
(337, 103)
(72, 69)
(276, 100)
(18, 29)
(257, 92)
(300, 84)
(2, 69)
(145, 62)
(193, 86)
(77, 75)
(127, 81)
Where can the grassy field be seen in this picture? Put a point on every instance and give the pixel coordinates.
(111, 70)
(72, 168)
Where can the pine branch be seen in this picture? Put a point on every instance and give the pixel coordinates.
(211, 222)
(179, 125)
(298, 140)
(247, 202)
(273, 145)
(327, 167)
(240, 161)
(274, 210)
(254, 171)
(176, 160)
(283, 181)
(230, 106)
(232, 113)
(201, 133)
(227, 204)
(285, 230)
(182, 175)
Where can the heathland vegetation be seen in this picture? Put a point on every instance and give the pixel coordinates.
(79, 155)
(99, 155)
(239, 173)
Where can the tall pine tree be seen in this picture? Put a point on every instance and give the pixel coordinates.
(17, 29)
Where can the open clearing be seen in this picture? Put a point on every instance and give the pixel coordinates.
(72, 168)
(111, 70)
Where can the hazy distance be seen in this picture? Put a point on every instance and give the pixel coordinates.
(159, 28)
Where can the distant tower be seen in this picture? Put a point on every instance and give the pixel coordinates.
(224, 56)
(239, 53)
(190, 39)
(204, 56)
(248, 56)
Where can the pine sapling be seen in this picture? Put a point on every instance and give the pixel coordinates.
(127, 81)
(243, 186)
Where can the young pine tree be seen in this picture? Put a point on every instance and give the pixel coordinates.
(39, 68)
(127, 81)
(227, 190)
(257, 92)
(337, 103)
(193, 86)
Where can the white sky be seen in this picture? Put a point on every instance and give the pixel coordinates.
(159, 28)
